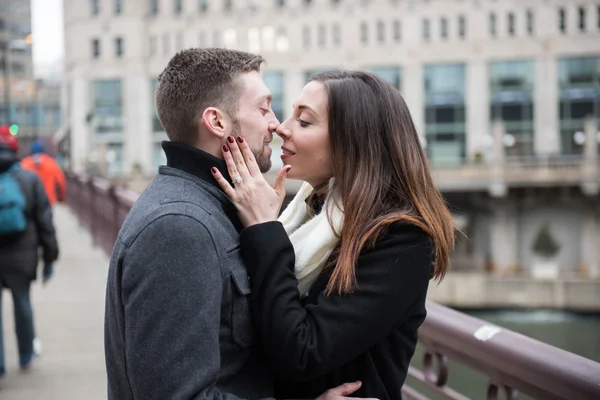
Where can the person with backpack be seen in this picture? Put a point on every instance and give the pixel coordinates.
(49, 172)
(25, 226)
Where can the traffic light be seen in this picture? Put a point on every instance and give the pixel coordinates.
(14, 129)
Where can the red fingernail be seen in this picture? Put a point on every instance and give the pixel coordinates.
(230, 139)
(240, 139)
(225, 148)
(288, 169)
(214, 170)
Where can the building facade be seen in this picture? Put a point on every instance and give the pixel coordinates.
(504, 94)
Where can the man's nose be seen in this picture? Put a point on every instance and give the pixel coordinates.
(282, 131)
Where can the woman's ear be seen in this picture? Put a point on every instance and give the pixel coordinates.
(215, 121)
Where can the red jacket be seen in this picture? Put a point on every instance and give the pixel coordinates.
(49, 173)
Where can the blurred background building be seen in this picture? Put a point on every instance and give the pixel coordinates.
(30, 106)
(505, 95)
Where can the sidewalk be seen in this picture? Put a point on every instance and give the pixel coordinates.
(69, 314)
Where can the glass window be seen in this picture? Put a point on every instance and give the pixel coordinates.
(397, 31)
(119, 47)
(511, 24)
(581, 18)
(107, 114)
(321, 35)
(579, 85)
(391, 75)
(444, 28)
(426, 33)
(203, 6)
(337, 34)
(153, 6)
(380, 32)
(306, 36)
(562, 20)
(275, 82)
(95, 48)
(118, 7)
(364, 33)
(511, 101)
(492, 24)
(445, 103)
(462, 27)
(530, 22)
(177, 6)
(95, 6)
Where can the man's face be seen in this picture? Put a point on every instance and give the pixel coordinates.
(254, 115)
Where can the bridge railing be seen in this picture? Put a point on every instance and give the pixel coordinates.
(513, 363)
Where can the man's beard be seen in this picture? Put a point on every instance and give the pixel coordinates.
(264, 162)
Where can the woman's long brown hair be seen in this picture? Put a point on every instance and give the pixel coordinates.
(381, 172)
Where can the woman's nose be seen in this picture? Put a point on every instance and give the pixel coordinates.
(283, 131)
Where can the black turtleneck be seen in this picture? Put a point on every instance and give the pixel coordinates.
(194, 161)
(198, 163)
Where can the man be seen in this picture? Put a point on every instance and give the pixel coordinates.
(49, 172)
(178, 323)
(25, 226)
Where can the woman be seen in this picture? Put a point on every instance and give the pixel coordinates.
(339, 282)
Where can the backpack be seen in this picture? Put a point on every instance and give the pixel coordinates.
(12, 204)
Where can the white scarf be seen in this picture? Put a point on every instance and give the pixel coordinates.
(313, 240)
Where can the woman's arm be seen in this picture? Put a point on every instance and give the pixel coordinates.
(303, 342)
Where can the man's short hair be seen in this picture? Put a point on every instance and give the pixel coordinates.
(196, 79)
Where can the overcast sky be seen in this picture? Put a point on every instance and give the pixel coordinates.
(47, 27)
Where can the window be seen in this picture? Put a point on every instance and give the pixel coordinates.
(228, 5)
(202, 39)
(321, 34)
(95, 48)
(380, 32)
(530, 22)
(364, 33)
(493, 25)
(397, 31)
(107, 106)
(177, 6)
(444, 28)
(511, 101)
(445, 104)
(118, 7)
(217, 38)
(203, 6)
(275, 82)
(282, 43)
(280, 3)
(153, 7)
(426, 33)
(306, 36)
(119, 47)
(389, 74)
(462, 28)
(95, 4)
(598, 17)
(337, 34)
(511, 24)
(581, 17)
(562, 20)
(579, 91)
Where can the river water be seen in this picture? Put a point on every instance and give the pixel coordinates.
(576, 333)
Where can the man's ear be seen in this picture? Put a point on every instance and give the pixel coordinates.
(215, 121)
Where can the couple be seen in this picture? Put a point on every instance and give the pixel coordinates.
(210, 296)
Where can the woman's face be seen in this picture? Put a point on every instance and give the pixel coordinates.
(305, 137)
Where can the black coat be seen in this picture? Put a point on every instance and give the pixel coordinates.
(319, 342)
(19, 254)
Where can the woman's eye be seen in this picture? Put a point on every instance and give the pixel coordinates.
(303, 123)
(264, 111)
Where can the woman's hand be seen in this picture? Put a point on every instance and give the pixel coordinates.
(257, 202)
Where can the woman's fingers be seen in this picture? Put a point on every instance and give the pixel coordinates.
(248, 156)
(226, 186)
(238, 158)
